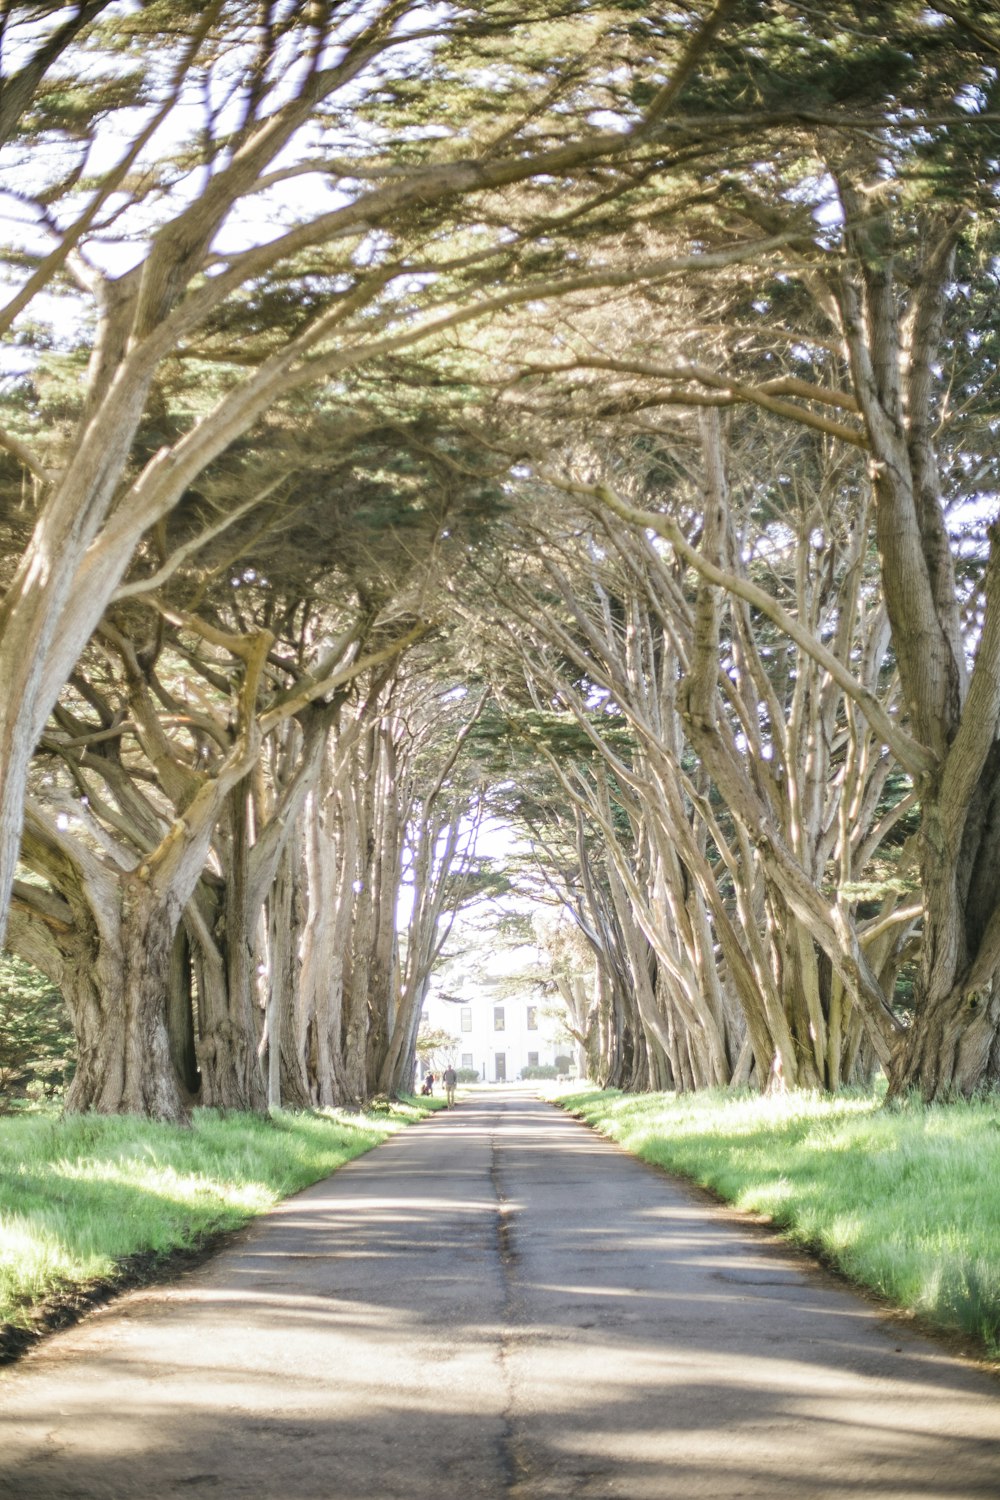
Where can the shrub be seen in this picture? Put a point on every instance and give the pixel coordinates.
(36, 1038)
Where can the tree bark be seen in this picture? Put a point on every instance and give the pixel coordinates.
(120, 1014)
(227, 1045)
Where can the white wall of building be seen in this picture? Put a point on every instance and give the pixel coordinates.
(499, 1034)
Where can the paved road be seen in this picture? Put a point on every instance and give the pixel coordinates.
(496, 1303)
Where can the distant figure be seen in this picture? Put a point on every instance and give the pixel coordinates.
(450, 1080)
(428, 1087)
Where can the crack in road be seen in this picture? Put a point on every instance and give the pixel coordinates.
(513, 1459)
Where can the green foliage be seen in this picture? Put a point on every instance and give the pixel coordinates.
(467, 1075)
(906, 1202)
(432, 1040)
(563, 737)
(542, 1070)
(515, 927)
(36, 1038)
(82, 1196)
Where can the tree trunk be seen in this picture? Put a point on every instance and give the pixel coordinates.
(180, 1014)
(119, 1014)
(288, 1084)
(324, 942)
(227, 1045)
(955, 1032)
(108, 941)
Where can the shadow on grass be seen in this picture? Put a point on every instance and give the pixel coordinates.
(65, 1302)
(78, 1206)
(902, 1203)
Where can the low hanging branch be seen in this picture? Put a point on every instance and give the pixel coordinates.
(687, 376)
(178, 558)
(913, 756)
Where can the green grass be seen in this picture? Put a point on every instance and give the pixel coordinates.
(84, 1198)
(905, 1202)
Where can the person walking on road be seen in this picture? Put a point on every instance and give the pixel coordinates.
(450, 1080)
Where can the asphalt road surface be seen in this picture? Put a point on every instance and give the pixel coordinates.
(497, 1303)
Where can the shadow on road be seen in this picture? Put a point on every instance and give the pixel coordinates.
(497, 1303)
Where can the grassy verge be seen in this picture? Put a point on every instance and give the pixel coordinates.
(904, 1202)
(89, 1204)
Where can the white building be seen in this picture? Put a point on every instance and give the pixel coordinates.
(499, 1028)
(499, 1038)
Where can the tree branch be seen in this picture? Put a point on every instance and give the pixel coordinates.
(913, 756)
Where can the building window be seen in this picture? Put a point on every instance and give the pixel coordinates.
(532, 1059)
(498, 1018)
(532, 1017)
(467, 1060)
(466, 1017)
(424, 1017)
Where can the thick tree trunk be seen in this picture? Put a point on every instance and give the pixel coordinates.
(951, 1046)
(955, 1033)
(108, 941)
(324, 942)
(180, 1014)
(231, 1075)
(385, 878)
(949, 1050)
(354, 994)
(611, 1062)
(288, 1084)
(119, 1011)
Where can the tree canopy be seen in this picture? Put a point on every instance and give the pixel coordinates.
(418, 417)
